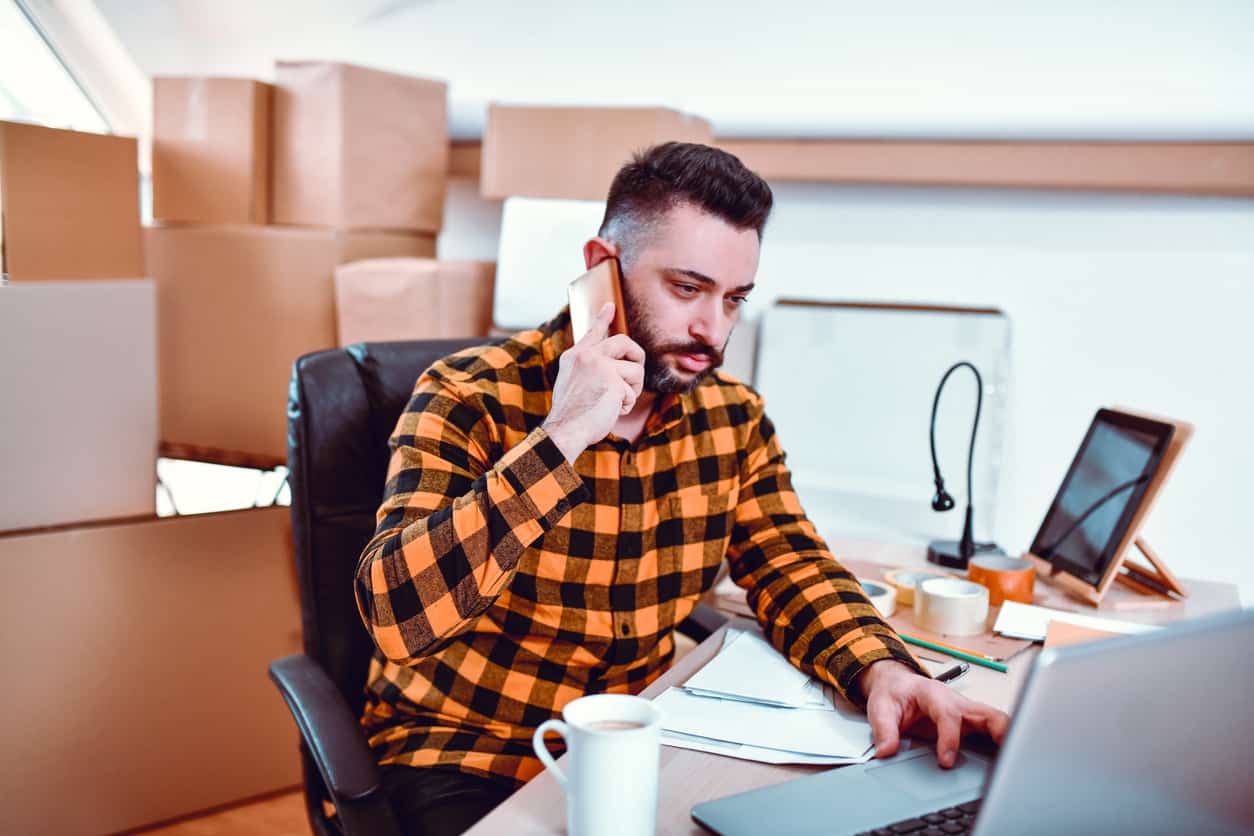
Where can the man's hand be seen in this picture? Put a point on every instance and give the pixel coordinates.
(900, 700)
(599, 379)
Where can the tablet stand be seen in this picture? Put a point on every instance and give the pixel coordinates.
(1140, 585)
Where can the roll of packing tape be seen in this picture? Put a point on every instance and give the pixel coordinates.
(1007, 578)
(883, 597)
(905, 580)
(951, 606)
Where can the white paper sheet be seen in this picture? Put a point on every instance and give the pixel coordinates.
(753, 753)
(1025, 621)
(748, 668)
(841, 733)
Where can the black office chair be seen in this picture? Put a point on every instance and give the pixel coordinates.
(342, 406)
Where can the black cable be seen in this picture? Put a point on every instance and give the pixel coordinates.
(1111, 494)
(169, 494)
(979, 403)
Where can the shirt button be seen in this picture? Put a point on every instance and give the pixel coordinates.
(626, 629)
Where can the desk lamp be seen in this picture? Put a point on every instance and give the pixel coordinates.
(955, 554)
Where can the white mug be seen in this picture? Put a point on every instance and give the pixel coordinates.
(614, 741)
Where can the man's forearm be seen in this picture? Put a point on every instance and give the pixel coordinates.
(423, 582)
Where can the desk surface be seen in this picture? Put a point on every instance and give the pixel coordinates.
(689, 777)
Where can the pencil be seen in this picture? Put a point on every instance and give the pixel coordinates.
(952, 647)
(953, 651)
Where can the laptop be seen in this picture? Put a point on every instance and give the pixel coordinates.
(1151, 733)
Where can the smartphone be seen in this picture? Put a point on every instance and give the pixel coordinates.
(589, 293)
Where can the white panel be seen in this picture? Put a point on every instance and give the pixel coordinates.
(856, 430)
(541, 252)
(472, 225)
(78, 421)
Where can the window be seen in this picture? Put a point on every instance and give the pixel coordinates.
(34, 85)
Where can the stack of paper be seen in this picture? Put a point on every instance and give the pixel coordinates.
(750, 702)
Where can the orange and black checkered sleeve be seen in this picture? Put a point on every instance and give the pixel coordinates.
(453, 522)
(812, 609)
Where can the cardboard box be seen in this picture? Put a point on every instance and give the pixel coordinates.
(211, 150)
(413, 299)
(78, 426)
(135, 669)
(358, 148)
(236, 306)
(69, 205)
(572, 152)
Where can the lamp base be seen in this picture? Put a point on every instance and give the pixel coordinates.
(948, 553)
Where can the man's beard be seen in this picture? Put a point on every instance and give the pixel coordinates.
(659, 377)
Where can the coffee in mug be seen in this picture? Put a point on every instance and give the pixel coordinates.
(614, 725)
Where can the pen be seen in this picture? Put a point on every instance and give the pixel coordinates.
(953, 673)
(1154, 584)
(953, 651)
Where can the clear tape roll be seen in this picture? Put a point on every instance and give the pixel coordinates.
(905, 580)
(883, 597)
(951, 606)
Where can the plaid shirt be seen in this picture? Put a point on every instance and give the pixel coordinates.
(503, 582)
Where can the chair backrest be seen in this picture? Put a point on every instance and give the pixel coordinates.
(342, 406)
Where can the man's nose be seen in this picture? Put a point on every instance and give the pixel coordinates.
(711, 324)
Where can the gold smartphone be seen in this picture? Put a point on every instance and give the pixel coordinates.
(589, 293)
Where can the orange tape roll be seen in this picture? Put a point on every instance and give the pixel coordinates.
(1007, 578)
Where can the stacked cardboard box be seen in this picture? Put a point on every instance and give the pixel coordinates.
(211, 150)
(358, 160)
(135, 656)
(69, 205)
(413, 298)
(78, 430)
(359, 149)
(572, 152)
(236, 306)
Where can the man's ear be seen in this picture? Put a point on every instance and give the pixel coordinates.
(598, 250)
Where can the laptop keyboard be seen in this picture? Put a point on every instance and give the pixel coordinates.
(950, 820)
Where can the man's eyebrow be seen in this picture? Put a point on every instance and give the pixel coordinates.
(704, 280)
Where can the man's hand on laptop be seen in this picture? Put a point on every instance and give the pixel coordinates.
(900, 700)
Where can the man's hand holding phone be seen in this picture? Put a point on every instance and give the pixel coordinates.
(599, 379)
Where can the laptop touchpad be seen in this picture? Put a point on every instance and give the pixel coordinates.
(924, 779)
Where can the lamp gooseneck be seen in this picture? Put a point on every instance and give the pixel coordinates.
(948, 552)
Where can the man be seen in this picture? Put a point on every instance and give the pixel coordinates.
(554, 510)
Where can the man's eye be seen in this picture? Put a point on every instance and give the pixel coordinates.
(686, 289)
(738, 300)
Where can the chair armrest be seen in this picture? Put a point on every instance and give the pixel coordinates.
(701, 623)
(331, 732)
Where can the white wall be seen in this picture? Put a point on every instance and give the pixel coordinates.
(790, 68)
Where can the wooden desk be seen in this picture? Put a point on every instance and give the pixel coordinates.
(689, 777)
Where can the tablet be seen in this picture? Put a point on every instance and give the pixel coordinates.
(1085, 526)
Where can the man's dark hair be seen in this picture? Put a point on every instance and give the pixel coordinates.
(665, 176)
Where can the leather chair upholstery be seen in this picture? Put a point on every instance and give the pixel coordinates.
(342, 406)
